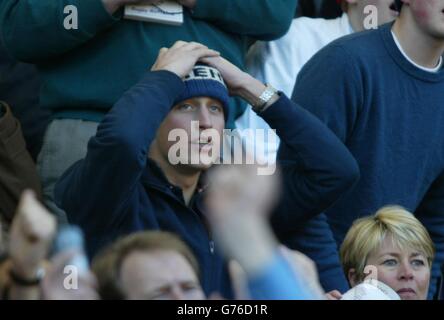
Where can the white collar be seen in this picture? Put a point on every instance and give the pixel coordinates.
(346, 23)
(433, 70)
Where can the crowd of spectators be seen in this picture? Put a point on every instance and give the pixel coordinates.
(132, 152)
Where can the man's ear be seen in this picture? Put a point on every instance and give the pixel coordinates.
(352, 277)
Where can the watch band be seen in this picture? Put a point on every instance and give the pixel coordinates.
(265, 97)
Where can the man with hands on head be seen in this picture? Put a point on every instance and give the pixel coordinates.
(127, 183)
(86, 67)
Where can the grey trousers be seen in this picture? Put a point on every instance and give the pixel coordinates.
(65, 143)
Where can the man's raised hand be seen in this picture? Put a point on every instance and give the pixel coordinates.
(181, 57)
(32, 231)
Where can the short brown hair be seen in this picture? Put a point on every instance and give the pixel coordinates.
(107, 264)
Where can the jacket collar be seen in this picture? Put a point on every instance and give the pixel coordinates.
(154, 177)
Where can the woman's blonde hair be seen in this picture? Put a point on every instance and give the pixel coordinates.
(368, 233)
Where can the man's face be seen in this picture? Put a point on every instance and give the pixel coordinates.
(201, 121)
(429, 16)
(159, 275)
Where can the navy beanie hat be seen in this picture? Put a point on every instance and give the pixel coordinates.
(205, 81)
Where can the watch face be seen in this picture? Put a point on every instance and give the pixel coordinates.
(265, 97)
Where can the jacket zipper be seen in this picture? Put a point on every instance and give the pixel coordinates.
(209, 234)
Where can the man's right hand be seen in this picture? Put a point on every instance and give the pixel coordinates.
(31, 234)
(181, 57)
(113, 5)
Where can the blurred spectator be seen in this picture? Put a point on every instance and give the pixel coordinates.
(239, 204)
(380, 91)
(129, 181)
(68, 276)
(85, 70)
(17, 169)
(31, 234)
(279, 62)
(83, 285)
(19, 88)
(391, 246)
(155, 265)
(147, 266)
(25, 272)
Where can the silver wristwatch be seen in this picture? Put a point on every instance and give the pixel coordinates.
(265, 97)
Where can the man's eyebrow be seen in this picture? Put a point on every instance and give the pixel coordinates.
(157, 291)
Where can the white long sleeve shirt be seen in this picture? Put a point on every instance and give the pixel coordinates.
(279, 62)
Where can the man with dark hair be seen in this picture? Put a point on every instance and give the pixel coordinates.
(381, 92)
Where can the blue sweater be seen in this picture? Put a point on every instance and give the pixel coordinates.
(390, 115)
(278, 281)
(117, 189)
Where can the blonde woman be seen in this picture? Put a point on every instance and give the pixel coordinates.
(395, 247)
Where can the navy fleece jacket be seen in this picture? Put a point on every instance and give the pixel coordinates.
(117, 189)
